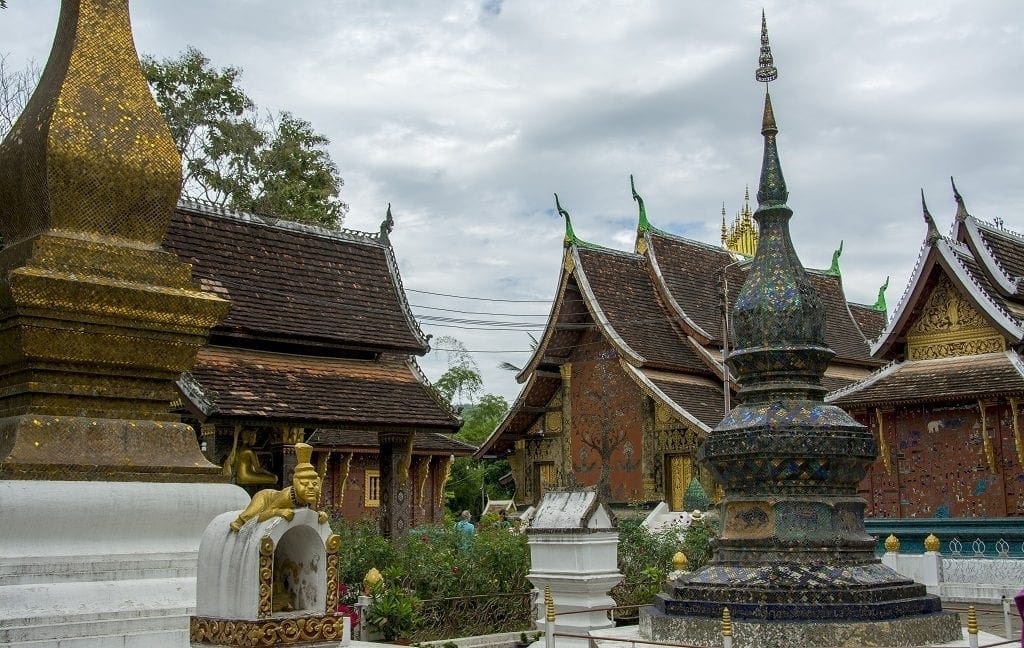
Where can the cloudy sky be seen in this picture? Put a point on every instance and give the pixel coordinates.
(468, 115)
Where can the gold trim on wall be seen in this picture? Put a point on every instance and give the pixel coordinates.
(1018, 443)
(986, 443)
(343, 470)
(883, 446)
(266, 576)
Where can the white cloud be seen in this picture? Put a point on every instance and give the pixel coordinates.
(467, 116)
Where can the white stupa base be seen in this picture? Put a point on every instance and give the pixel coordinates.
(102, 564)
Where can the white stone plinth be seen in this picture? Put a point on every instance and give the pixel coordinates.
(111, 564)
(574, 551)
(229, 564)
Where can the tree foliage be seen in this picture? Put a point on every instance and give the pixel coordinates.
(480, 419)
(461, 382)
(276, 164)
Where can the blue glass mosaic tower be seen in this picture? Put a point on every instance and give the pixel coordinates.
(793, 545)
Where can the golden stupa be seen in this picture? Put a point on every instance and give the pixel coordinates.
(96, 320)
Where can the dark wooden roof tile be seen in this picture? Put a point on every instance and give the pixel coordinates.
(251, 384)
(293, 283)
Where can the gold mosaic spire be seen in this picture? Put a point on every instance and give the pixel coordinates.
(96, 320)
(91, 153)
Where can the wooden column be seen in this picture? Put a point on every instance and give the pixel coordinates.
(395, 485)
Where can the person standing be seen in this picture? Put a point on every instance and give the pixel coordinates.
(465, 528)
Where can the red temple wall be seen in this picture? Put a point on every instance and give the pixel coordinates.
(939, 467)
(607, 421)
(422, 509)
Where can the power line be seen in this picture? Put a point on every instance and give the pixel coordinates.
(492, 299)
(466, 312)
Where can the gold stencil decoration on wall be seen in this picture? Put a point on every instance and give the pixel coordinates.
(949, 326)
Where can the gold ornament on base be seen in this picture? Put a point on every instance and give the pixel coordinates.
(931, 543)
(892, 544)
(303, 493)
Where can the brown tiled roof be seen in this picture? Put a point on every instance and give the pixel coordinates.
(870, 320)
(1001, 252)
(945, 379)
(623, 290)
(700, 398)
(980, 278)
(251, 384)
(295, 283)
(691, 274)
(690, 271)
(422, 443)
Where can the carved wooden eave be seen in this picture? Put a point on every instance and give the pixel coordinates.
(555, 317)
(518, 408)
(942, 256)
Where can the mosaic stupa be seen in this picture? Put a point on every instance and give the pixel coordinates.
(793, 565)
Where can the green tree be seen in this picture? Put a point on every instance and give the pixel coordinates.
(276, 165)
(480, 419)
(461, 382)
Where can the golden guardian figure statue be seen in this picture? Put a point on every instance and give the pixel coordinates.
(303, 493)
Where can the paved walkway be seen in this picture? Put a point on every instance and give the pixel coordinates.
(990, 617)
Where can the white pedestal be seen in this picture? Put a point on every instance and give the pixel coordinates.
(102, 564)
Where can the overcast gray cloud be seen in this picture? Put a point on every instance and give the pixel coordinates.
(467, 116)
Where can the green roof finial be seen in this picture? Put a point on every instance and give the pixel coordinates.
(643, 225)
(387, 225)
(834, 268)
(570, 236)
(880, 302)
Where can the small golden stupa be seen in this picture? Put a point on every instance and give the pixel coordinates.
(97, 320)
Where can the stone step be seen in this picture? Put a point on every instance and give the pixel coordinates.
(29, 571)
(65, 611)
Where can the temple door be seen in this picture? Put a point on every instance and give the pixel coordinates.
(680, 472)
(545, 476)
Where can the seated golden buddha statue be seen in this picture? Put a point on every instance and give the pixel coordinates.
(303, 493)
(245, 464)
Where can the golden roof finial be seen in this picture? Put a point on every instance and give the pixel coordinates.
(91, 153)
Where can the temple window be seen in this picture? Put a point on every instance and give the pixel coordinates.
(371, 491)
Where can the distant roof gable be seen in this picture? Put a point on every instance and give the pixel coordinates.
(998, 251)
(295, 283)
(955, 261)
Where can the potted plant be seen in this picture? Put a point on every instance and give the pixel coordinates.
(394, 613)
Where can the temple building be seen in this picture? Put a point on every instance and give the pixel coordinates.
(946, 407)
(319, 346)
(627, 379)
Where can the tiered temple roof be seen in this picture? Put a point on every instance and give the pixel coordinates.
(660, 309)
(319, 333)
(958, 330)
